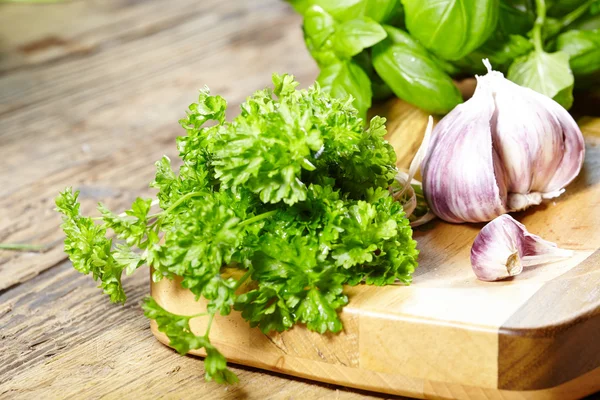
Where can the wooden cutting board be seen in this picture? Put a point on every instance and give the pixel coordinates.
(449, 335)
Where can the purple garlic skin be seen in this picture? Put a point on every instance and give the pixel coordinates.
(503, 150)
(504, 246)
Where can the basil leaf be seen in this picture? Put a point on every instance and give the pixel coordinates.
(353, 36)
(412, 75)
(342, 10)
(501, 54)
(329, 41)
(516, 17)
(381, 90)
(346, 10)
(384, 10)
(451, 28)
(301, 6)
(347, 78)
(583, 48)
(547, 73)
(319, 27)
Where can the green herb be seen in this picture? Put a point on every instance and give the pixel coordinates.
(177, 328)
(451, 29)
(293, 193)
(583, 48)
(443, 39)
(544, 72)
(547, 73)
(412, 73)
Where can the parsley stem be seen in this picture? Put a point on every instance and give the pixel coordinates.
(242, 280)
(177, 203)
(540, 6)
(258, 218)
(204, 314)
(124, 214)
(210, 320)
(22, 247)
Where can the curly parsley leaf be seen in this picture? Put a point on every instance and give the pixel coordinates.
(88, 248)
(181, 338)
(270, 214)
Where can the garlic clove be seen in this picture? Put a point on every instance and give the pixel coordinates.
(462, 174)
(504, 247)
(528, 138)
(573, 149)
(539, 143)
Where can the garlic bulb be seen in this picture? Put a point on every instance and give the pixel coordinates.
(505, 149)
(504, 247)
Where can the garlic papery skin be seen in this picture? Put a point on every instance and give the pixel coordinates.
(504, 247)
(403, 189)
(463, 179)
(548, 156)
(505, 149)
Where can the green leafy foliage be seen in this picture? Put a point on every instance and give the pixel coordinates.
(181, 338)
(347, 10)
(515, 17)
(558, 8)
(583, 49)
(428, 42)
(333, 44)
(546, 73)
(451, 28)
(353, 36)
(88, 248)
(345, 79)
(412, 75)
(379, 88)
(270, 214)
(500, 50)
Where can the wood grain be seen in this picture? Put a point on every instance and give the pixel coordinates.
(98, 120)
(529, 337)
(60, 338)
(539, 350)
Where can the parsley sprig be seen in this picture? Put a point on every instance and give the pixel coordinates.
(293, 193)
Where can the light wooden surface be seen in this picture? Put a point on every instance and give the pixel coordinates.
(90, 95)
(448, 334)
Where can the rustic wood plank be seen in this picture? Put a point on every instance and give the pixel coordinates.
(61, 338)
(550, 339)
(78, 28)
(98, 122)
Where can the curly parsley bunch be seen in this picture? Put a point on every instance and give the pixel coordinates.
(293, 192)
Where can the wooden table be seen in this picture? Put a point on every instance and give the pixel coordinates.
(90, 95)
